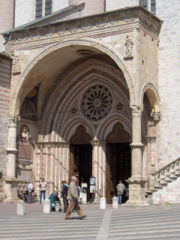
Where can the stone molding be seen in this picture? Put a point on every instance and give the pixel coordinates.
(52, 144)
(13, 120)
(102, 23)
(97, 143)
(137, 145)
(11, 150)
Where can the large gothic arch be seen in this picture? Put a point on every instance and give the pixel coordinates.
(83, 77)
(19, 92)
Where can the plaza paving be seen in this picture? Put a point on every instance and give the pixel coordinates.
(140, 223)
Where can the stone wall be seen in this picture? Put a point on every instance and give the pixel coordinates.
(6, 19)
(117, 4)
(57, 5)
(169, 80)
(24, 12)
(5, 76)
(91, 7)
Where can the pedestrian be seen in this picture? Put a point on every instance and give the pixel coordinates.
(120, 190)
(43, 187)
(30, 191)
(65, 187)
(73, 200)
(79, 196)
(55, 201)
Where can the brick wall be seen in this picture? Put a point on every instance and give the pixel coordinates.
(5, 76)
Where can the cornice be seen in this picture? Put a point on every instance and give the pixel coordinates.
(108, 23)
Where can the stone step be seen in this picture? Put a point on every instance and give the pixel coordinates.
(139, 223)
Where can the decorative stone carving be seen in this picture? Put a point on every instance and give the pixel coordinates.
(156, 117)
(128, 54)
(96, 102)
(13, 120)
(119, 106)
(16, 63)
(74, 110)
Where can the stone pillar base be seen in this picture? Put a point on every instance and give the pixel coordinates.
(11, 189)
(136, 192)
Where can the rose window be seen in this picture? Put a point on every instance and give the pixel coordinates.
(96, 102)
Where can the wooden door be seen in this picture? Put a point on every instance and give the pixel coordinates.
(118, 167)
(81, 163)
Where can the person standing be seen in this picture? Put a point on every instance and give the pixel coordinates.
(43, 187)
(73, 200)
(120, 190)
(30, 191)
(64, 195)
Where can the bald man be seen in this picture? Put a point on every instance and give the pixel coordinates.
(73, 199)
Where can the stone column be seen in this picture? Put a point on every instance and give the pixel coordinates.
(66, 161)
(136, 182)
(98, 167)
(11, 180)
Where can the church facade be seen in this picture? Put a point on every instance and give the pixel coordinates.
(86, 100)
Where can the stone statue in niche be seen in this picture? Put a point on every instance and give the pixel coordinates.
(24, 133)
(128, 54)
(24, 147)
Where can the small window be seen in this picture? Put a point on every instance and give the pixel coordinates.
(153, 6)
(48, 7)
(143, 3)
(39, 4)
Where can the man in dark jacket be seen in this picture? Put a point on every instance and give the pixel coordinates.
(64, 195)
(73, 199)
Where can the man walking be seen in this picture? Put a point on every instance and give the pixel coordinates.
(43, 186)
(120, 190)
(73, 200)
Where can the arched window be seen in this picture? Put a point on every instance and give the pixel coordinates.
(149, 5)
(143, 3)
(48, 7)
(153, 6)
(43, 8)
(39, 7)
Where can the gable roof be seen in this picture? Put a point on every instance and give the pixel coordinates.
(52, 18)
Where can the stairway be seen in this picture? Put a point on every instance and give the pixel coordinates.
(165, 184)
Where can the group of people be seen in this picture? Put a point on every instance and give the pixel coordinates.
(71, 199)
(70, 196)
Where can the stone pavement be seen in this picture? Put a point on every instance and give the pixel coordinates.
(131, 223)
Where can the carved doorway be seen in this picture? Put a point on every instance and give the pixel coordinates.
(118, 161)
(81, 157)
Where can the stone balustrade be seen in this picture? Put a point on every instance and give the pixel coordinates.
(165, 175)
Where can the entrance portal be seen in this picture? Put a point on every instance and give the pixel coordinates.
(81, 158)
(118, 165)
